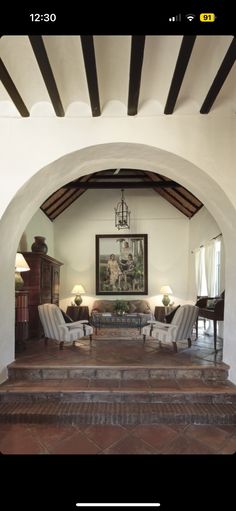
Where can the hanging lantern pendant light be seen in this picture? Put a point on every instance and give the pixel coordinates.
(122, 214)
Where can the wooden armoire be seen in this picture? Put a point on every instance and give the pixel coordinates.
(42, 283)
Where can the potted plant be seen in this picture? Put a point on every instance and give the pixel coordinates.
(121, 307)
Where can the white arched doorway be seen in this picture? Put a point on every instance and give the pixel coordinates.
(100, 157)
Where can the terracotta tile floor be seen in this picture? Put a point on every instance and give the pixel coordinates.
(122, 351)
(141, 439)
(158, 439)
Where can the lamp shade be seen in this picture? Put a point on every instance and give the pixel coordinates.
(20, 263)
(78, 289)
(166, 290)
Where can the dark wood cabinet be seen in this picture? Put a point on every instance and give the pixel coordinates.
(160, 312)
(78, 313)
(21, 319)
(42, 283)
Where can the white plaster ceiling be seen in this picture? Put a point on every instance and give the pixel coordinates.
(112, 57)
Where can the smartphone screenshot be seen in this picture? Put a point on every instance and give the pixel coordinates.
(117, 261)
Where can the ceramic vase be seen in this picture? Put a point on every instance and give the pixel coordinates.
(39, 245)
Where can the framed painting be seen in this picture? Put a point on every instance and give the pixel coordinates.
(121, 264)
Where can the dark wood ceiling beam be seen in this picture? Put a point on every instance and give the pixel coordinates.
(181, 191)
(63, 207)
(188, 195)
(182, 201)
(135, 73)
(57, 198)
(166, 194)
(156, 177)
(53, 212)
(179, 72)
(46, 71)
(175, 203)
(12, 91)
(198, 209)
(53, 198)
(91, 73)
(220, 78)
(122, 184)
(59, 202)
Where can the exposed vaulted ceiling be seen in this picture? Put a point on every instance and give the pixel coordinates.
(92, 76)
(173, 192)
(85, 76)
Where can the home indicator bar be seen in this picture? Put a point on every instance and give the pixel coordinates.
(115, 504)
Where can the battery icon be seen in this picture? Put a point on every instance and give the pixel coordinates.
(207, 17)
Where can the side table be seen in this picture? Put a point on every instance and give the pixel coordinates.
(21, 319)
(160, 312)
(78, 313)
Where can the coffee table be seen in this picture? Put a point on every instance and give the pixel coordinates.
(111, 320)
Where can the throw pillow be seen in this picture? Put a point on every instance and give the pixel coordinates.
(67, 318)
(132, 308)
(211, 303)
(141, 306)
(170, 315)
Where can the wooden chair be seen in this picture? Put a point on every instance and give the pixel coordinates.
(215, 313)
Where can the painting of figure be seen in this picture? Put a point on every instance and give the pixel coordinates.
(121, 264)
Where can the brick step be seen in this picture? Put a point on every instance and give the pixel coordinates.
(107, 391)
(36, 372)
(118, 413)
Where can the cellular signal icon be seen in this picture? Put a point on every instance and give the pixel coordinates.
(175, 18)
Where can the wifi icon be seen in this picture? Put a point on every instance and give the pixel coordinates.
(190, 17)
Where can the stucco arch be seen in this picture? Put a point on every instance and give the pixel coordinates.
(92, 159)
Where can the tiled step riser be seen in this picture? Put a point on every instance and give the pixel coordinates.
(121, 421)
(121, 418)
(106, 396)
(206, 374)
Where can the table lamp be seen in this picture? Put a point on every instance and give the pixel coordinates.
(78, 290)
(166, 291)
(20, 265)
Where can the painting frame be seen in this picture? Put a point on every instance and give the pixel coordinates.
(121, 264)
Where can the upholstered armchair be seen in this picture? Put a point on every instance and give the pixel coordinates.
(180, 327)
(56, 328)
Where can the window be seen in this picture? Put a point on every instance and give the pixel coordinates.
(218, 266)
(208, 268)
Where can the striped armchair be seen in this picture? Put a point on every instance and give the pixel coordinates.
(179, 329)
(56, 328)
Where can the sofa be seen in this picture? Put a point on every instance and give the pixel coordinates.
(104, 314)
(135, 306)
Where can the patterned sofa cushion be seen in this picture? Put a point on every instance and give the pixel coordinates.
(135, 306)
(103, 306)
(139, 306)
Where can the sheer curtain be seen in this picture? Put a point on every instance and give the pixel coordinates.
(210, 268)
(200, 272)
(222, 266)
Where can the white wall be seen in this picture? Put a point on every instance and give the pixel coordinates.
(206, 141)
(93, 213)
(39, 225)
(202, 228)
(40, 155)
